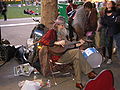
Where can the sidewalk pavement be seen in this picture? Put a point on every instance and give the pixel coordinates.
(9, 81)
(18, 21)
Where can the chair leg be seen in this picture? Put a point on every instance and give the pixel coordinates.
(71, 67)
(53, 73)
(53, 76)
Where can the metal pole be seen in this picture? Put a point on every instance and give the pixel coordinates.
(0, 36)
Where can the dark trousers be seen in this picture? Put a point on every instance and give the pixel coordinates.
(4, 15)
(109, 47)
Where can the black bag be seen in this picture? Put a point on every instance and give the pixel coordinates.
(10, 52)
(20, 54)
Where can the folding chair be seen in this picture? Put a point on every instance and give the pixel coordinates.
(104, 81)
(50, 67)
(56, 68)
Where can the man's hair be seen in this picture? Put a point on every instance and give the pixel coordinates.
(70, 1)
(113, 8)
(88, 5)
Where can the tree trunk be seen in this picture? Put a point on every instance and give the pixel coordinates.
(49, 12)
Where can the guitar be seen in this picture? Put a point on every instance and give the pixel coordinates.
(58, 49)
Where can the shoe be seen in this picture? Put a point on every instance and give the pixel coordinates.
(5, 19)
(79, 85)
(92, 75)
(114, 50)
(109, 61)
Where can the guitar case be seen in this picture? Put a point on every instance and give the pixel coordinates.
(104, 81)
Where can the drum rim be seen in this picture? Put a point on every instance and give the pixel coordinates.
(90, 54)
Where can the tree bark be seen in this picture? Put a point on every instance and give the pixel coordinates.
(49, 12)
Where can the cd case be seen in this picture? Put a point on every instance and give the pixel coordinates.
(23, 69)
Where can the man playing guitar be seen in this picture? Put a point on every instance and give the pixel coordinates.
(57, 37)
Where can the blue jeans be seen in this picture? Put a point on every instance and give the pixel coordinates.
(117, 39)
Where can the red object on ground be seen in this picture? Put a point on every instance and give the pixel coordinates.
(104, 81)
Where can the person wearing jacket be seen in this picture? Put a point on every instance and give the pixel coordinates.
(57, 36)
(71, 9)
(112, 29)
(81, 22)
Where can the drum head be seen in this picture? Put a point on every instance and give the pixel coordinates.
(95, 60)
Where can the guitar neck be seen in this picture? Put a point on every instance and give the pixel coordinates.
(73, 43)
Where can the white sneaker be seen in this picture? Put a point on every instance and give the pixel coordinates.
(109, 61)
(114, 50)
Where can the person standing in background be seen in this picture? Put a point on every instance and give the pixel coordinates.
(90, 34)
(70, 11)
(117, 36)
(112, 29)
(81, 22)
(3, 10)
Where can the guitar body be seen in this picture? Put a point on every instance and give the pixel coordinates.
(59, 50)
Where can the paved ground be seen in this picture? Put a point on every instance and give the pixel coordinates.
(18, 35)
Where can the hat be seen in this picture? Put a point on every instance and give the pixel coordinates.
(60, 20)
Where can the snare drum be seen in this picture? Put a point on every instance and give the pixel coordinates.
(93, 57)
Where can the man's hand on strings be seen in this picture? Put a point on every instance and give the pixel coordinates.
(81, 43)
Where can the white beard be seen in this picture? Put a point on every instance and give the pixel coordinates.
(62, 33)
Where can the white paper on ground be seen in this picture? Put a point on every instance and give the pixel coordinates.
(31, 85)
